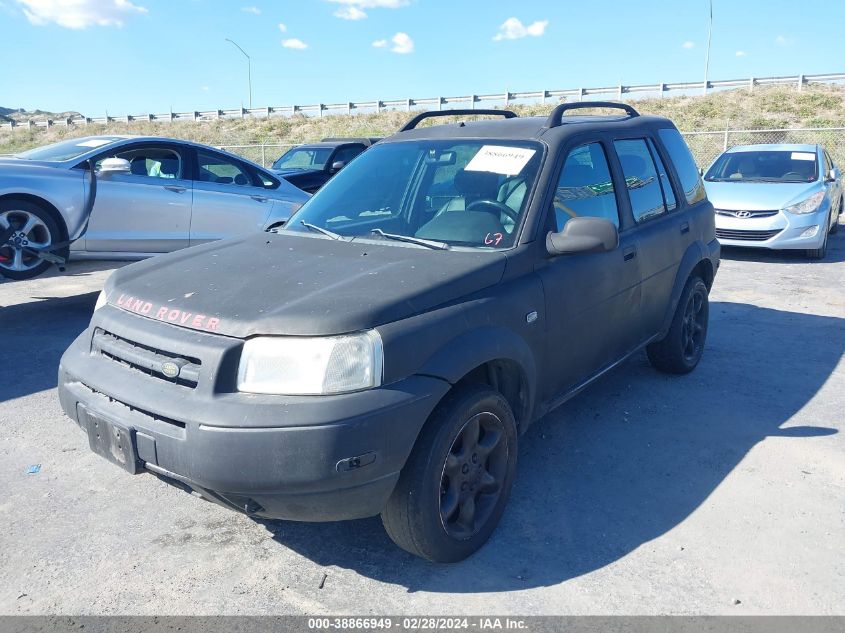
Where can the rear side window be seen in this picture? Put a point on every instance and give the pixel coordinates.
(585, 187)
(684, 165)
(345, 154)
(665, 183)
(222, 170)
(641, 179)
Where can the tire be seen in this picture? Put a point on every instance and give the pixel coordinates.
(820, 253)
(835, 228)
(428, 512)
(15, 262)
(680, 351)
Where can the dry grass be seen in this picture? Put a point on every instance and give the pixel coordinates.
(770, 107)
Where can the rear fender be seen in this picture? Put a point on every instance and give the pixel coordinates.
(694, 254)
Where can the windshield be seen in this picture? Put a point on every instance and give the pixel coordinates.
(764, 166)
(303, 158)
(447, 192)
(67, 150)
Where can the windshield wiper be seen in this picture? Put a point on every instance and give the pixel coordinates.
(320, 229)
(441, 246)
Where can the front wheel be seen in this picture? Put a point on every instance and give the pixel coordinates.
(683, 346)
(456, 483)
(820, 252)
(32, 229)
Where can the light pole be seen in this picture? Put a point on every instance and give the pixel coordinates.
(249, 69)
(707, 56)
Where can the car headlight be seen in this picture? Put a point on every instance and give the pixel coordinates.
(101, 300)
(807, 205)
(302, 366)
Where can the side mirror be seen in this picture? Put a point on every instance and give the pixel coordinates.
(114, 166)
(583, 235)
(701, 171)
(338, 165)
(832, 175)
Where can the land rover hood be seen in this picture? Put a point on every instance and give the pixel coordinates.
(277, 284)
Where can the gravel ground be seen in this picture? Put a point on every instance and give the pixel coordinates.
(716, 493)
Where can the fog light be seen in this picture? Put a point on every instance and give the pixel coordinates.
(810, 232)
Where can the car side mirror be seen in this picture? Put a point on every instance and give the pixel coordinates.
(583, 235)
(832, 175)
(114, 166)
(338, 165)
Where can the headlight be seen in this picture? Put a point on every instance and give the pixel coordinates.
(807, 206)
(101, 300)
(288, 365)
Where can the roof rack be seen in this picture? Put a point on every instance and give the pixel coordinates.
(410, 125)
(556, 117)
(364, 140)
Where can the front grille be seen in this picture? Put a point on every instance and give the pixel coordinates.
(751, 214)
(748, 236)
(146, 360)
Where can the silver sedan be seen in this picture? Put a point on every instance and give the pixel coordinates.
(150, 195)
(776, 196)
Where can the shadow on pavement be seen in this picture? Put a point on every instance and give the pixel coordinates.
(622, 463)
(34, 336)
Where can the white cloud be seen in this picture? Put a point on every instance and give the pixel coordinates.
(688, 45)
(350, 13)
(283, 27)
(741, 53)
(79, 14)
(402, 43)
(782, 40)
(253, 10)
(295, 43)
(204, 88)
(514, 29)
(354, 9)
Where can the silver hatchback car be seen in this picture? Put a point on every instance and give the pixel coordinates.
(151, 195)
(776, 196)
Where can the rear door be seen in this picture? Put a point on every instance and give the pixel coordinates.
(147, 210)
(592, 299)
(660, 232)
(229, 198)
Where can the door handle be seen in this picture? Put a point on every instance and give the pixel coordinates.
(259, 198)
(629, 253)
(175, 188)
(684, 227)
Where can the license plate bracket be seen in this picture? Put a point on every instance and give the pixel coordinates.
(112, 441)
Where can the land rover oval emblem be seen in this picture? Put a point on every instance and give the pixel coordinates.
(171, 370)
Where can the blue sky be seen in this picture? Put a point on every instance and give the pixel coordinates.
(137, 56)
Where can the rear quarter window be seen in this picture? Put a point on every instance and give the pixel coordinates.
(684, 165)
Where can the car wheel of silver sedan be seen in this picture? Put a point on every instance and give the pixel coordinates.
(27, 229)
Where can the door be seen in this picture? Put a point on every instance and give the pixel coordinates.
(147, 210)
(661, 232)
(229, 198)
(592, 299)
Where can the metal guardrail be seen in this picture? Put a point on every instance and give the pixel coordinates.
(504, 98)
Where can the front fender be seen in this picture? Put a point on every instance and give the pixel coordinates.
(64, 189)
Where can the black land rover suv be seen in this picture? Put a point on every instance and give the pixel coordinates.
(383, 351)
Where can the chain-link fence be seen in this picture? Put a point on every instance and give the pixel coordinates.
(705, 146)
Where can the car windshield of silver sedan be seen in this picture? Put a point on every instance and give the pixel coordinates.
(764, 166)
(303, 158)
(68, 150)
(428, 193)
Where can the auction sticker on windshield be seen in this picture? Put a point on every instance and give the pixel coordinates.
(95, 142)
(803, 156)
(507, 161)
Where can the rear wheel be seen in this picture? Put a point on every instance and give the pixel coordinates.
(33, 228)
(456, 483)
(681, 350)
